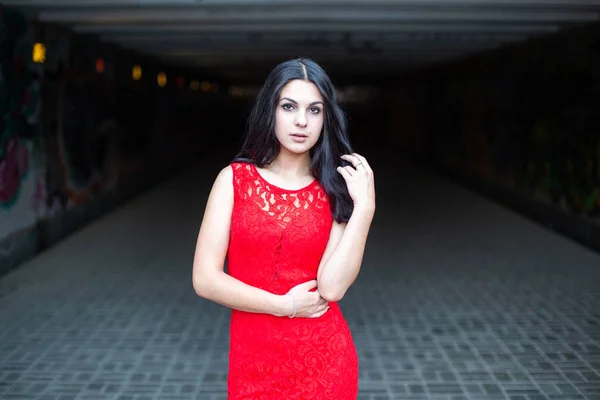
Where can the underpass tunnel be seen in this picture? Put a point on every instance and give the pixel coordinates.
(481, 276)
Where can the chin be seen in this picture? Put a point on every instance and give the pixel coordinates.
(299, 148)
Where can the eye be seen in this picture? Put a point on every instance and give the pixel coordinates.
(287, 107)
(315, 110)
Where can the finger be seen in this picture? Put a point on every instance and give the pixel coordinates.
(323, 308)
(358, 163)
(319, 306)
(349, 157)
(316, 300)
(345, 174)
(363, 162)
(319, 300)
(352, 159)
(319, 314)
(323, 301)
(351, 171)
(309, 285)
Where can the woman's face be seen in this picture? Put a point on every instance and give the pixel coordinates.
(299, 116)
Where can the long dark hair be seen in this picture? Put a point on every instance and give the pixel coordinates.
(261, 147)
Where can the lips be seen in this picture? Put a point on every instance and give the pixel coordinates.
(299, 137)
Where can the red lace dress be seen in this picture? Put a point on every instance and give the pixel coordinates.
(277, 239)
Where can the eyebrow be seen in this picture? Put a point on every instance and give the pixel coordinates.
(295, 102)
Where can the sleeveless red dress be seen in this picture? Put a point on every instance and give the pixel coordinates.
(277, 239)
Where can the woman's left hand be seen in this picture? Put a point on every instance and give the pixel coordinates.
(359, 180)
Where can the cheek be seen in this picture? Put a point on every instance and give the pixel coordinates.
(317, 124)
(279, 120)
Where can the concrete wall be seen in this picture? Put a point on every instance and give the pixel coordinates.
(74, 142)
(521, 124)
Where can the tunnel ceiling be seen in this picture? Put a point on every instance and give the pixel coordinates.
(239, 38)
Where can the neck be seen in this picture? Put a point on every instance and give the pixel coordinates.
(288, 163)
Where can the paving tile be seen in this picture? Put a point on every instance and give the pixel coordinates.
(458, 298)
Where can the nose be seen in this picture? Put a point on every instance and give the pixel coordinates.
(300, 119)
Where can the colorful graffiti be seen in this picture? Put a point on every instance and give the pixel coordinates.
(68, 135)
(19, 104)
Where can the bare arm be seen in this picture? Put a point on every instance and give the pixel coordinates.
(339, 268)
(343, 256)
(208, 278)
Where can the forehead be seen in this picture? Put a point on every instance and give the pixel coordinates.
(301, 91)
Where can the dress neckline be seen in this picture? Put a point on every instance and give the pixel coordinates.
(257, 172)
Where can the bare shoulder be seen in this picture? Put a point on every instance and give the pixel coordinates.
(225, 174)
(221, 192)
(220, 203)
(224, 180)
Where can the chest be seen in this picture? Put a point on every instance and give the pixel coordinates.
(296, 223)
(304, 212)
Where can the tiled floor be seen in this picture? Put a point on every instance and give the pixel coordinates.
(458, 298)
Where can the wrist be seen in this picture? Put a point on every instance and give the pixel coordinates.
(366, 208)
(284, 305)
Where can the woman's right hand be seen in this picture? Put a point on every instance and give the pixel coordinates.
(309, 304)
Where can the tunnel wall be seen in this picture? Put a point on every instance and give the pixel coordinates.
(79, 135)
(520, 124)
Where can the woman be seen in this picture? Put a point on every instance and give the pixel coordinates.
(291, 213)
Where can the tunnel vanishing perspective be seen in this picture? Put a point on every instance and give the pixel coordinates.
(481, 274)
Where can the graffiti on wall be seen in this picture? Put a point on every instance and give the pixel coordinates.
(83, 138)
(19, 104)
(84, 129)
(70, 147)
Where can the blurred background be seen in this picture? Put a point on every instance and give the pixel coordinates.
(480, 118)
